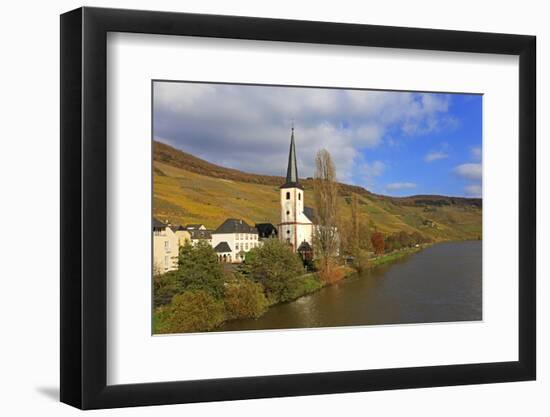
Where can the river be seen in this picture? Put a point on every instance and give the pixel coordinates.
(441, 283)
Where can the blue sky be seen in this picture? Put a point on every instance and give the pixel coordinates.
(393, 143)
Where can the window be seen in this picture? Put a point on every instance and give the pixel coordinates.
(166, 261)
(246, 246)
(287, 212)
(299, 196)
(166, 245)
(288, 195)
(236, 246)
(288, 232)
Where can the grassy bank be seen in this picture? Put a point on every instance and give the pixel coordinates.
(392, 256)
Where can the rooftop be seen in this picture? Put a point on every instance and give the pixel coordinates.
(235, 226)
(222, 247)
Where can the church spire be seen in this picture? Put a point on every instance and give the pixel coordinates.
(292, 170)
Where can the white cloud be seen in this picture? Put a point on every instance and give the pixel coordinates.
(473, 190)
(469, 171)
(435, 156)
(248, 127)
(394, 186)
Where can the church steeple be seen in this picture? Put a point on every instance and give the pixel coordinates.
(292, 170)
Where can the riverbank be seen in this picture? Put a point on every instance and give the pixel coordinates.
(299, 287)
(439, 283)
(392, 256)
(310, 283)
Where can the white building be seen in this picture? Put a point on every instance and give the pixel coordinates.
(296, 225)
(165, 248)
(233, 239)
(198, 235)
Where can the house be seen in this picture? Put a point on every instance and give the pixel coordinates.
(233, 238)
(165, 248)
(266, 231)
(224, 253)
(297, 223)
(198, 235)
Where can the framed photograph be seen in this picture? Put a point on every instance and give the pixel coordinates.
(257, 208)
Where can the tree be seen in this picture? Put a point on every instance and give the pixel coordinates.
(276, 267)
(199, 269)
(244, 299)
(192, 311)
(165, 286)
(404, 239)
(354, 236)
(325, 192)
(378, 243)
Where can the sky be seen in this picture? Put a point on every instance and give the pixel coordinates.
(390, 142)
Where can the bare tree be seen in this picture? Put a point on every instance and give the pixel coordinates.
(358, 239)
(325, 190)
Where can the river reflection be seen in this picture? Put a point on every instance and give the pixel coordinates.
(439, 284)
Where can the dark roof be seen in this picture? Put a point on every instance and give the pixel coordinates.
(200, 234)
(180, 227)
(305, 247)
(266, 230)
(310, 213)
(235, 226)
(292, 169)
(157, 224)
(222, 247)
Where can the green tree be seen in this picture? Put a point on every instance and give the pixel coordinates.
(276, 267)
(199, 269)
(244, 299)
(165, 286)
(191, 311)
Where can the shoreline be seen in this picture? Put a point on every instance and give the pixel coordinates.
(313, 276)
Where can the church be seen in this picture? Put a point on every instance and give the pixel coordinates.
(297, 220)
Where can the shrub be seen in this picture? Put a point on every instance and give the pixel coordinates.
(199, 269)
(330, 272)
(165, 287)
(244, 299)
(378, 244)
(191, 311)
(276, 267)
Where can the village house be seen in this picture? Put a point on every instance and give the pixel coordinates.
(165, 248)
(200, 234)
(233, 239)
(297, 224)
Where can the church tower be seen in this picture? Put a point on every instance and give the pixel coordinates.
(293, 219)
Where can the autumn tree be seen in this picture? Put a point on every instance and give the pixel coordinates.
(192, 311)
(325, 192)
(378, 243)
(356, 232)
(244, 299)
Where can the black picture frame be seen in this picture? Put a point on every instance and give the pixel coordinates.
(84, 207)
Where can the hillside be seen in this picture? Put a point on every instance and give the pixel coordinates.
(188, 189)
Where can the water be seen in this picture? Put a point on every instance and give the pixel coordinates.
(441, 283)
